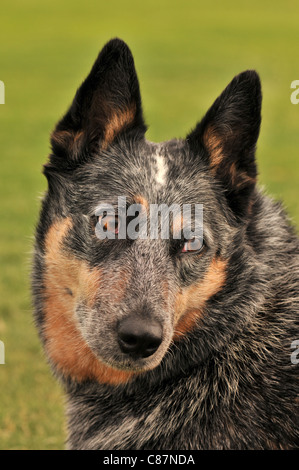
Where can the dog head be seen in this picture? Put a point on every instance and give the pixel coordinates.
(111, 307)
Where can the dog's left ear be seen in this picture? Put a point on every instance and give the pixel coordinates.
(227, 136)
(107, 103)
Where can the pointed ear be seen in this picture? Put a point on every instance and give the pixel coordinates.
(228, 134)
(107, 103)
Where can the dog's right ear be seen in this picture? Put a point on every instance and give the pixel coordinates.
(107, 104)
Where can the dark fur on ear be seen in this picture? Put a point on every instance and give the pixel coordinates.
(107, 103)
(228, 133)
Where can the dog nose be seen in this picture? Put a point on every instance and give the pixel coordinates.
(138, 337)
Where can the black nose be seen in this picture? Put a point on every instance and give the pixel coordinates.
(139, 337)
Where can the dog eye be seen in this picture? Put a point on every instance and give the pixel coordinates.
(194, 245)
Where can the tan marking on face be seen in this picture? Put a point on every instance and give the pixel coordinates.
(190, 302)
(186, 323)
(178, 224)
(214, 145)
(142, 201)
(117, 122)
(63, 341)
(165, 292)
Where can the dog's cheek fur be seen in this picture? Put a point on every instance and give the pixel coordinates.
(68, 281)
(190, 302)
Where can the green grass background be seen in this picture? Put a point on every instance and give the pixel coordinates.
(185, 53)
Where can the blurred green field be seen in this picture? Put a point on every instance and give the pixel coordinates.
(185, 54)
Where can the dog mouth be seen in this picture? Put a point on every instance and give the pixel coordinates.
(135, 365)
(130, 363)
(133, 356)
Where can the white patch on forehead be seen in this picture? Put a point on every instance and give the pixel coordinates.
(161, 169)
